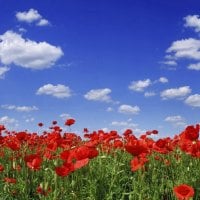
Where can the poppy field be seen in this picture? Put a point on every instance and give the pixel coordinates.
(58, 165)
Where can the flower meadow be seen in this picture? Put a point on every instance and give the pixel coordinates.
(58, 165)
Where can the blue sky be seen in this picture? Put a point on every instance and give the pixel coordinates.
(110, 65)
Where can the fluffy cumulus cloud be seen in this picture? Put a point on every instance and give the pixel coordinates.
(193, 100)
(8, 121)
(125, 124)
(195, 66)
(149, 94)
(20, 108)
(65, 116)
(192, 21)
(169, 62)
(140, 85)
(58, 91)
(185, 48)
(175, 93)
(163, 80)
(176, 120)
(128, 109)
(14, 49)
(31, 16)
(99, 95)
(3, 71)
(43, 22)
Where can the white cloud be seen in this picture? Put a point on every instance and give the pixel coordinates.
(109, 109)
(193, 21)
(99, 95)
(185, 48)
(149, 94)
(31, 16)
(43, 22)
(58, 91)
(193, 100)
(7, 120)
(124, 123)
(139, 131)
(140, 85)
(22, 30)
(127, 125)
(19, 108)
(27, 53)
(176, 120)
(194, 66)
(170, 63)
(188, 48)
(105, 129)
(28, 16)
(128, 109)
(65, 116)
(175, 92)
(3, 70)
(28, 120)
(163, 80)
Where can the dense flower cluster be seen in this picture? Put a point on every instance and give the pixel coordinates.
(69, 152)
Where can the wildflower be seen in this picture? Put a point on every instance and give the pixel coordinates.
(1, 168)
(183, 192)
(10, 180)
(2, 128)
(40, 124)
(33, 161)
(136, 147)
(54, 122)
(69, 122)
(64, 170)
(137, 163)
(81, 163)
(42, 191)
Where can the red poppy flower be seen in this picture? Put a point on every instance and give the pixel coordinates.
(137, 147)
(10, 180)
(54, 122)
(118, 144)
(33, 161)
(43, 192)
(14, 145)
(167, 162)
(154, 132)
(69, 122)
(85, 130)
(17, 168)
(64, 170)
(21, 136)
(183, 192)
(83, 152)
(64, 155)
(191, 133)
(163, 145)
(1, 168)
(81, 163)
(2, 128)
(127, 132)
(137, 163)
(40, 124)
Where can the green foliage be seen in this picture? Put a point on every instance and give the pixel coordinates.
(107, 176)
